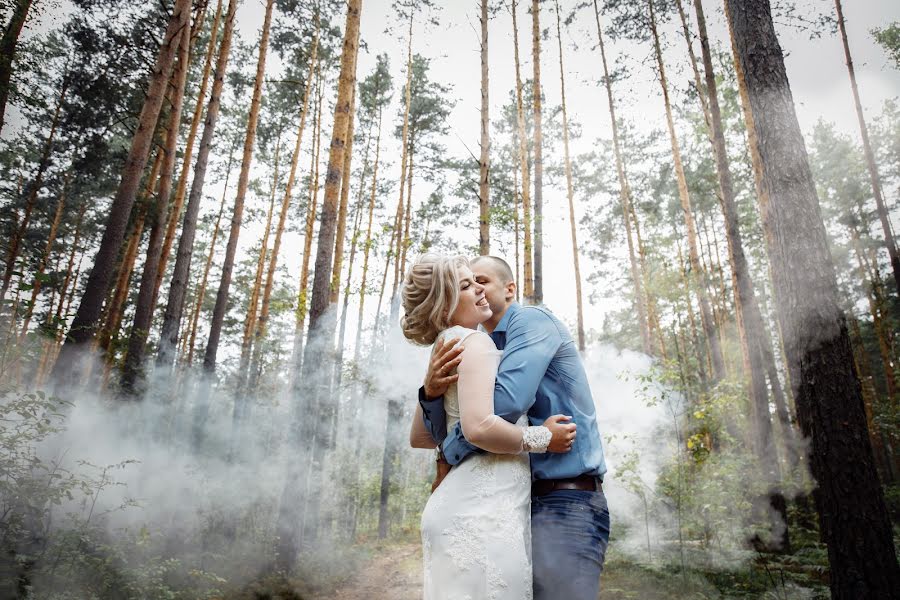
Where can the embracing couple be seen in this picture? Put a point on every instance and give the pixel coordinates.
(521, 513)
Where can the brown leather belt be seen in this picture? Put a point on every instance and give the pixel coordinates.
(590, 483)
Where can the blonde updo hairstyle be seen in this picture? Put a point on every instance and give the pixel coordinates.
(430, 295)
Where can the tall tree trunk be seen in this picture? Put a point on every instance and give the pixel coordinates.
(55, 317)
(340, 231)
(342, 328)
(367, 248)
(870, 396)
(538, 156)
(36, 185)
(8, 51)
(484, 190)
(285, 206)
(143, 312)
(311, 211)
(391, 447)
(749, 318)
(404, 144)
(112, 319)
(312, 435)
(854, 521)
(45, 257)
(168, 340)
(65, 371)
(250, 322)
(215, 330)
(516, 230)
(570, 193)
(767, 343)
(868, 273)
(52, 352)
(201, 288)
(528, 267)
(407, 218)
(181, 190)
(625, 199)
(870, 157)
(698, 276)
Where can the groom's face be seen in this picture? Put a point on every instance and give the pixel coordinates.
(499, 293)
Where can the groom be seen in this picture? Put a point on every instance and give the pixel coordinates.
(541, 374)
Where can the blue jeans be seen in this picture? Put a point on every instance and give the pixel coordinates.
(569, 535)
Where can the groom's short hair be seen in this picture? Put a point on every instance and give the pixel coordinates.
(501, 267)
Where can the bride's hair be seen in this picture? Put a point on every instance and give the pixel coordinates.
(430, 295)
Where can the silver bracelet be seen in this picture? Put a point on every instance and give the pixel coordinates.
(536, 439)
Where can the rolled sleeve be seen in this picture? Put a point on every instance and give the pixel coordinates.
(433, 415)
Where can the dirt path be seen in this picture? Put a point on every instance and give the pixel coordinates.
(394, 573)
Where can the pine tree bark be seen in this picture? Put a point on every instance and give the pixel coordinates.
(201, 288)
(625, 199)
(321, 323)
(870, 157)
(868, 273)
(8, 44)
(367, 248)
(538, 155)
(697, 274)
(484, 190)
(112, 320)
(143, 312)
(285, 206)
(215, 330)
(65, 371)
(181, 190)
(528, 267)
(168, 340)
(340, 232)
(311, 211)
(749, 318)
(570, 193)
(250, 322)
(854, 521)
(869, 395)
(407, 219)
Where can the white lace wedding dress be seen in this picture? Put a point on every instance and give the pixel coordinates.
(476, 527)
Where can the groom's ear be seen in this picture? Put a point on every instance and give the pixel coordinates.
(510, 290)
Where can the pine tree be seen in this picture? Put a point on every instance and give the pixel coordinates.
(569, 190)
(82, 330)
(827, 392)
(168, 340)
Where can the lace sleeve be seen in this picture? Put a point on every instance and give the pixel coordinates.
(480, 426)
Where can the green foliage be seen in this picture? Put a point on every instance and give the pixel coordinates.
(889, 39)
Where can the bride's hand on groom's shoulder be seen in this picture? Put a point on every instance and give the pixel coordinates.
(563, 433)
(441, 368)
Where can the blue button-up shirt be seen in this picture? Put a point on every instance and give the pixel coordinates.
(541, 374)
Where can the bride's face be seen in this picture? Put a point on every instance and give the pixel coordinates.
(473, 307)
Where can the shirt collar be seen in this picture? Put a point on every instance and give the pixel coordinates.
(504, 322)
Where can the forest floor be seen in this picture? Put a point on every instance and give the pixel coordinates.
(394, 571)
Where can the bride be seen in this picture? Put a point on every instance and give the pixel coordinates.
(476, 526)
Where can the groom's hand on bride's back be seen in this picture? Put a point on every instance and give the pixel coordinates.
(563, 433)
(441, 368)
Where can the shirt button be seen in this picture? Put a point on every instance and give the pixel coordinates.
(456, 457)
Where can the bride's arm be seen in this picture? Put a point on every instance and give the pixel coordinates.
(419, 437)
(480, 426)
